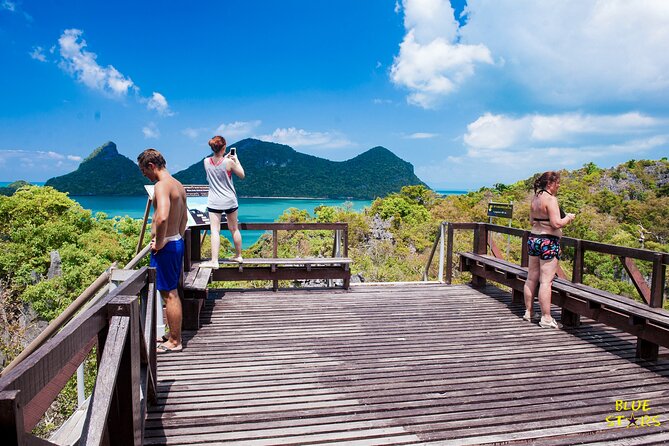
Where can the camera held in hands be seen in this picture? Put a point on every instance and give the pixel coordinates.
(233, 151)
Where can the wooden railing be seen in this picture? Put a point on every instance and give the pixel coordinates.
(194, 236)
(122, 326)
(276, 271)
(652, 294)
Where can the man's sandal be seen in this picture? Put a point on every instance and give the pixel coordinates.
(162, 348)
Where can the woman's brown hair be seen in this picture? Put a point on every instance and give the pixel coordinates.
(545, 179)
(217, 143)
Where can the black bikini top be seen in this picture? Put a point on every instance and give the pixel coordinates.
(562, 213)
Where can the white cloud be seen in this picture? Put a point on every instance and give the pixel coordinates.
(193, 133)
(432, 63)
(479, 167)
(608, 50)
(38, 54)
(571, 52)
(495, 131)
(503, 148)
(502, 132)
(237, 130)
(83, 66)
(158, 103)
(300, 138)
(9, 6)
(40, 159)
(150, 131)
(421, 135)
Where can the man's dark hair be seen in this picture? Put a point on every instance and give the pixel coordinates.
(151, 156)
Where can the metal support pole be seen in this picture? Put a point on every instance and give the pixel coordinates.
(81, 397)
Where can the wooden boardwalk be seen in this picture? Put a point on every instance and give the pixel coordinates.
(405, 364)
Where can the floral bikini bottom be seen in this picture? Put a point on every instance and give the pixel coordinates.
(544, 246)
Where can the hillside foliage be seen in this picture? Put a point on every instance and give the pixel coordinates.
(34, 222)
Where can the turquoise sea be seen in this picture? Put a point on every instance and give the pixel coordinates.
(251, 210)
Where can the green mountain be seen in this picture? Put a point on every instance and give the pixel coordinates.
(276, 170)
(13, 187)
(104, 172)
(272, 170)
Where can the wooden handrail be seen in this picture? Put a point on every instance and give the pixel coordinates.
(62, 318)
(280, 226)
(652, 295)
(76, 305)
(42, 375)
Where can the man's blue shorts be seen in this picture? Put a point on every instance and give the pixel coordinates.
(168, 262)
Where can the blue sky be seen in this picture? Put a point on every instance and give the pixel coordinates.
(471, 93)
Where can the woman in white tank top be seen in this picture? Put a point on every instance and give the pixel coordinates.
(222, 197)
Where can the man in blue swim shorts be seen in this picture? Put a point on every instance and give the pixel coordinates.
(167, 245)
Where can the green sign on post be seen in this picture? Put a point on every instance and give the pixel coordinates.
(503, 210)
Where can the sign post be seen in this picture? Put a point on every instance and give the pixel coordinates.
(501, 210)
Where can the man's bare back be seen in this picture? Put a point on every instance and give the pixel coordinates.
(171, 214)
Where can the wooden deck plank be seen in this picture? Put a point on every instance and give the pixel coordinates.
(410, 364)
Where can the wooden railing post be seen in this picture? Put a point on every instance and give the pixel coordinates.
(442, 244)
(480, 247)
(524, 257)
(449, 253)
(275, 254)
(125, 415)
(658, 281)
(114, 414)
(11, 418)
(579, 253)
(646, 349)
(187, 250)
(345, 240)
(195, 245)
(149, 325)
(569, 318)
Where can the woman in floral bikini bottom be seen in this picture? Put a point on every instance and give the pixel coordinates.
(543, 246)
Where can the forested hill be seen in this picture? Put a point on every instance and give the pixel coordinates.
(623, 205)
(276, 170)
(103, 172)
(272, 170)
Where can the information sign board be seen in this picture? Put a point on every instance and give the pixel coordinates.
(196, 201)
(503, 210)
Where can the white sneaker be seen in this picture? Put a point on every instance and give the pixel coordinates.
(209, 264)
(531, 318)
(550, 324)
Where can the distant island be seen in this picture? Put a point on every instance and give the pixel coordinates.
(103, 172)
(272, 170)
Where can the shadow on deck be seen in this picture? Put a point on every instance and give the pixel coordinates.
(404, 364)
